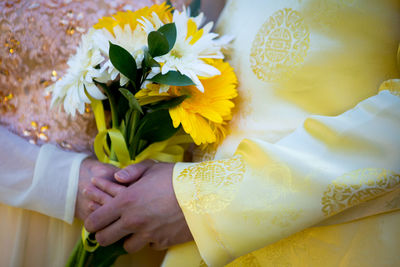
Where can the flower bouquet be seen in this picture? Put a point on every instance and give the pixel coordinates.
(163, 79)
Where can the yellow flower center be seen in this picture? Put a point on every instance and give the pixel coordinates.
(176, 53)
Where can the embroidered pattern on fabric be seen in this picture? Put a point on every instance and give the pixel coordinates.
(285, 217)
(210, 186)
(356, 187)
(280, 46)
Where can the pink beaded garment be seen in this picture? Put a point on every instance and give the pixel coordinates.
(37, 38)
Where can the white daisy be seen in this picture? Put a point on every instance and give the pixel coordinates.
(191, 47)
(70, 90)
(132, 41)
(151, 24)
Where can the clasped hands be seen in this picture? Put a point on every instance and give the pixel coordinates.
(137, 203)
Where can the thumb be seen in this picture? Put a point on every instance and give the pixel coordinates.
(133, 172)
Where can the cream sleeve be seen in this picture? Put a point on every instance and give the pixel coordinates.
(267, 192)
(41, 179)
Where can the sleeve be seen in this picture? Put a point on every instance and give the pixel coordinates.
(267, 192)
(40, 179)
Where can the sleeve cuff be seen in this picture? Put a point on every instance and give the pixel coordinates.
(212, 249)
(55, 180)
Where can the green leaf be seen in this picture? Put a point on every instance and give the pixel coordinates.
(123, 61)
(172, 78)
(158, 44)
(169, 31)
(133, 103)
(169, 103)
(127, 119)
(195, 8)
(133, 124)
(122, 128)
(156, 126)
(149, 60)
(169, 3)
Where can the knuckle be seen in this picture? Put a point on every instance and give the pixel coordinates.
(125, 200)
(86, 187)
(133, 223)
(103, 199)
(147, 236)
(125, 222)
(139, 222)
(128, 200)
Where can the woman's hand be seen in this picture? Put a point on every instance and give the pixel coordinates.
(89, 197)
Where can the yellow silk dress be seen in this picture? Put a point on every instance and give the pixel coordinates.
(309, 174)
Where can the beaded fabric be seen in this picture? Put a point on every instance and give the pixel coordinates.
(36, 41)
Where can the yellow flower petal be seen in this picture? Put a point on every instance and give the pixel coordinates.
(163, 11)
(202, 115)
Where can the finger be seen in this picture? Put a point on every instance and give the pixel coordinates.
(112, 233)
(133, 172)
(158, 247)
(96, 195)
(93, 206)
(102, 217)
(134, 243)
(106, 186)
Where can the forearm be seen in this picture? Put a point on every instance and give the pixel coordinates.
(41, 179)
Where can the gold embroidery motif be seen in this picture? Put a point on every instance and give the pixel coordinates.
(356, 187)
(282, 252)
(279, 46)
(210, 186)
(285, 217)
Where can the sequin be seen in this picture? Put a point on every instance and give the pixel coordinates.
(36, 134)
(5, 102)
(37, 33)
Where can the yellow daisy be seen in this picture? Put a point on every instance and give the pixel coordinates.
(202, 115)
(133, 18)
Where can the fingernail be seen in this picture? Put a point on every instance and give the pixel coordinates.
(123, 175)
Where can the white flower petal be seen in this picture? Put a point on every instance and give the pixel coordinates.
(123, 80)
(94, 91)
